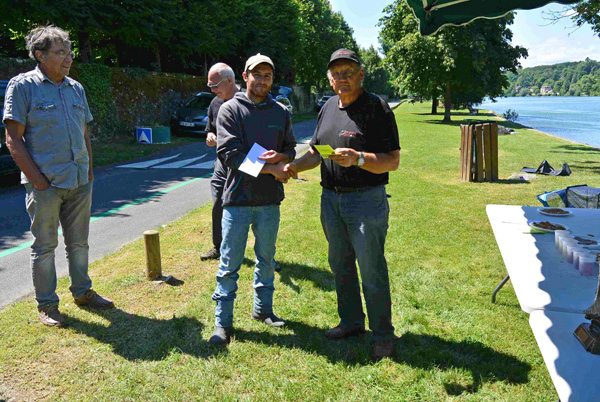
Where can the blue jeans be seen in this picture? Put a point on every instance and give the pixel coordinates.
(355, 226)
(70, 207)
(236, 223)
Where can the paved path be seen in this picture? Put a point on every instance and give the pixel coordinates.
(126, 202)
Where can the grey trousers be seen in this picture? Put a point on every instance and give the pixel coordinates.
(70, 207)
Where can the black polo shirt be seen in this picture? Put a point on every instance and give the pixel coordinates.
(367, 125)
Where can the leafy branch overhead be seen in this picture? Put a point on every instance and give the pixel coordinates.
(461, 64)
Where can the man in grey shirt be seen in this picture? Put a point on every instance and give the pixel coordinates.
(46, 114)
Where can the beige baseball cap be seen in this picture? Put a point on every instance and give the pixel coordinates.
(256, 60)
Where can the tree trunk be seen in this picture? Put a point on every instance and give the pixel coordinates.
(434, 105)
(85, 48)
(447, 104)
(120, 52)
(157, 64)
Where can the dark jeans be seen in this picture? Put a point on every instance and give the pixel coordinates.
(217, 183)
(355, 225)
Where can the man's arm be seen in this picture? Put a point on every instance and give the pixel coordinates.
(88, 145)
(22, 157)
(374, 163)
(309, 160)
(230, 146)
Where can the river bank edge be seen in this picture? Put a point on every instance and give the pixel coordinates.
(500, 118)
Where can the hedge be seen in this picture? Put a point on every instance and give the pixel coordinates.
(122, 98)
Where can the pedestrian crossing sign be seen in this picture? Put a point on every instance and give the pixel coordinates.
(144, 135)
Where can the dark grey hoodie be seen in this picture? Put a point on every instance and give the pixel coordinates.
(240, 124)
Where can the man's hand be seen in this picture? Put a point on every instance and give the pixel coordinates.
(272, 157)
(43, 186)
(211, 139)
(277, 170)
(291, 170)
(345, 157)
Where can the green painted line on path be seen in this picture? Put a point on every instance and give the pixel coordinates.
(111, 212)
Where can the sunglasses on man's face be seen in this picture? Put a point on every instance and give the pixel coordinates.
(216, 85)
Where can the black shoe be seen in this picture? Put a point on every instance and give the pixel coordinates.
(221, 336)
(213, 254)
(270, 319)
(340, 332)
(93, 300)
(276, 266)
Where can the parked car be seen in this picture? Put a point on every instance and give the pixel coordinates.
(7, 164)
(190, 119)
(321, 102)
(285, 102)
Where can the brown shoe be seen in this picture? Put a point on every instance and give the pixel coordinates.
(340, 332)
(383, 349)
(212, 254)
(52, 317)
(92, 299)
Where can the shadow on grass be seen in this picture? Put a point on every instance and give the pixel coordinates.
(484, 363)
(135, 337)
(508, 181)
(580, 149)
(321, 278)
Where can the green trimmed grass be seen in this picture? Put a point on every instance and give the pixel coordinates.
(118, 150)
(444, 264)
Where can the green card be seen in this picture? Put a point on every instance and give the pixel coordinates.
(325, 150)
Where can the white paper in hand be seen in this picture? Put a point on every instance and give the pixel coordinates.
(252, 165)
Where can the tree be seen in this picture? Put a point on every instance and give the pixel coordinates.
(465, 63)
(585, 12)
(377, 77)
(322, 31)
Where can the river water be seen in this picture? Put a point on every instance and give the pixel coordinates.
(571, 117)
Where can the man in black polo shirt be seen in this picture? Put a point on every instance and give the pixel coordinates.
(362, 130)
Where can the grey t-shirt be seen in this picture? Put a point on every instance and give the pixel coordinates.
(54, 117)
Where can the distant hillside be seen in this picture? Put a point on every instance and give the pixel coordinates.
(580, 78)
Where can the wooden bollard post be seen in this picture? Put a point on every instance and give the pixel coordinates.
(153, 265)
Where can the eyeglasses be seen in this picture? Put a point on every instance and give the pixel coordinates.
(63, 53)
(216, 85)
(342, 75)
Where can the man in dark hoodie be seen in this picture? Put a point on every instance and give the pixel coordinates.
(248, 201)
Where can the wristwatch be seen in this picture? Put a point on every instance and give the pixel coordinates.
(361, 159)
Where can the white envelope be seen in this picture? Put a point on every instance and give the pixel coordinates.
(252, 165)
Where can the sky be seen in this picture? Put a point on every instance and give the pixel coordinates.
(546, 43)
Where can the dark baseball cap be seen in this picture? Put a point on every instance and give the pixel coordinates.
(343, 54)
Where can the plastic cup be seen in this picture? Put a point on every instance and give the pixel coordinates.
(558, 235)
(571, 247)
(565, 245)
(586, 264)
(577, 253)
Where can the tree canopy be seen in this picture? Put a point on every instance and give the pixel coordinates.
(188, 36)
(580, 78)
(464, 64)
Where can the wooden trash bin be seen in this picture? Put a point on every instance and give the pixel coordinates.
(479, 151)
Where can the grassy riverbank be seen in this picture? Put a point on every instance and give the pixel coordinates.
(444, 263)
